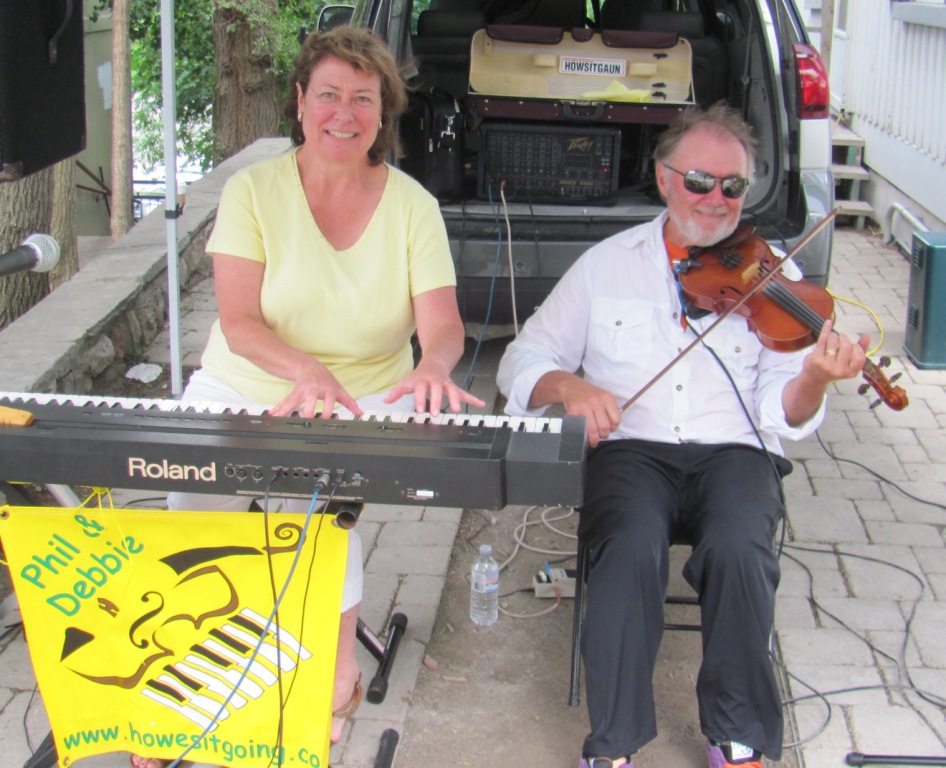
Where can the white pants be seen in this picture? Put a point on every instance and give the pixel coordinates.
(203, 386)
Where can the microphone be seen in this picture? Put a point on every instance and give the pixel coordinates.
(39, 253)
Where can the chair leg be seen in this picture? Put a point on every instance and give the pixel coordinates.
(581, 576)
(682, 600)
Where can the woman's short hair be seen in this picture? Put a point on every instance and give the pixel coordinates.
(367, 52)
(720, 118)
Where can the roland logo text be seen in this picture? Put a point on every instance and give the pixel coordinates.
(167, 471)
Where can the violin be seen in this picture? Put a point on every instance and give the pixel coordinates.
(744, 276)
(741, 274)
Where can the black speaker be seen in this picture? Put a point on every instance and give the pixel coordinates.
(42, 84)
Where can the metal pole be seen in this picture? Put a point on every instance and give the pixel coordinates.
(827, 33)
(171, 210)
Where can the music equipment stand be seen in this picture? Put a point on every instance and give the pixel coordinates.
(857, 758)
(387, 748)
(384, 653)
(346, 516)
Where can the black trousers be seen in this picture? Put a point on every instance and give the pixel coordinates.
(725, 500)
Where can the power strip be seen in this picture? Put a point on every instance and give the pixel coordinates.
(545, 583)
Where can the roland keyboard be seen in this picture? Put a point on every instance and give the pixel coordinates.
(454, 460)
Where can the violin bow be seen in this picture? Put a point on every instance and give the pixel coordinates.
(763, 281)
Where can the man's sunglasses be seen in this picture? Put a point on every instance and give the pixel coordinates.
(702, 183)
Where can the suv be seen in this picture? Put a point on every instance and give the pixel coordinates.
(534, 123)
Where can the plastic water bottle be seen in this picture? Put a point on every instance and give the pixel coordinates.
(484, 588)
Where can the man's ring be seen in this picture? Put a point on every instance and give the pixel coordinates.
(830, 352)
(447, 381)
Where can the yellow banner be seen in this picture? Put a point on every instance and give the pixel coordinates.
(155, 632)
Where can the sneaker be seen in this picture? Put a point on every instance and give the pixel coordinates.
(731, 755)
(602, 762)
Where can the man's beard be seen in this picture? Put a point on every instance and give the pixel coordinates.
(699, 236)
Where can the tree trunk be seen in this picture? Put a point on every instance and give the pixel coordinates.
(247, 95)
(62, 223)
(27, 209)
(122, 217)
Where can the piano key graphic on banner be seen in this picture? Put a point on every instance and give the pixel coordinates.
(248, 616)
(185, 693)
(211, 683)
(226, 670)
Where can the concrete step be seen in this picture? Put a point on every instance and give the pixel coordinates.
(854, 208)
(855, 172)
(842, 136)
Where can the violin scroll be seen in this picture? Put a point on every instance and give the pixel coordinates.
(895, 397)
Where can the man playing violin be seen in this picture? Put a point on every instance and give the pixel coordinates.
(696, 457)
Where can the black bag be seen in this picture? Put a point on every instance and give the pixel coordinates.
(432, 134)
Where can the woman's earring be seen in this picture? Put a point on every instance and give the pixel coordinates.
(299, 117)
(380, 123)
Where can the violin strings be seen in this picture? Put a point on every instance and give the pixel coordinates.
(792, 304)
(783, 297)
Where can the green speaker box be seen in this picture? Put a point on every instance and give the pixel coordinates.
(926, 307)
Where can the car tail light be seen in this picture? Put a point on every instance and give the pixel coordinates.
(812, 82)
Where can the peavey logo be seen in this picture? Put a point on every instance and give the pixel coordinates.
(167, 471)
(580, 144)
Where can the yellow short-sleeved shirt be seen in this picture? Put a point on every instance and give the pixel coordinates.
(350, 309)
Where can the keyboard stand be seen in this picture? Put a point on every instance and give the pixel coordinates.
(384, 653)
(346, 516)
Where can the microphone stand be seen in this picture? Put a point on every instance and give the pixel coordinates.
(387, 748)
(856, 758)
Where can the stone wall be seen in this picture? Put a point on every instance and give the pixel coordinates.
(85, 333)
